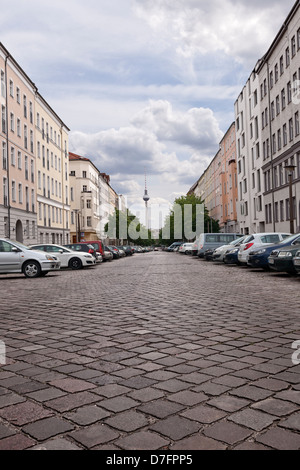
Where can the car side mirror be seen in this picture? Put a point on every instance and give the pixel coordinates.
(14, 249)
(61, 251)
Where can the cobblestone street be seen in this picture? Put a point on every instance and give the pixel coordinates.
(154, 351)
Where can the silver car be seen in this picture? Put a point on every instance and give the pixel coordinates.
(18, 258)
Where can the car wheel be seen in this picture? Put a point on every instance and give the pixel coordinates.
(188, 252)
(75, 263)
(32, 269)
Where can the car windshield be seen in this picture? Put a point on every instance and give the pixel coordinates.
(20, 245)
(289, 240)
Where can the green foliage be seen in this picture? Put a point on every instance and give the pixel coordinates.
(123, 225)
(182, 222)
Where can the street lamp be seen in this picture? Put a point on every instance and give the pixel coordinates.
(290, 170)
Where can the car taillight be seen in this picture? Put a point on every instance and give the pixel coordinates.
(248, 246)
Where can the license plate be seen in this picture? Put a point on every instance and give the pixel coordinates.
(271, 261)
(297, 262)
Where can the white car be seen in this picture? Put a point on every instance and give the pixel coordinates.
(18, 258)
(258, 240)
(186, 248)
(220, 253)
(69, 258)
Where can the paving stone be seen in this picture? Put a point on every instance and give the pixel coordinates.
(276, 407)
(10, 399)
(128, 421)
(72, 385)
(292, 423)
(160, 408)
(94, 435)
(23, 413)
(253, 419)
(272, 384)
(203, 414)
(211, 388)
(70, 402)
(46, 394)
(6, 431)
(56, 444)
(143, 440)
(119, 404)
(86, 415)
(198, 442)
(146, 394)
(173, 385)
(280, 439)
(289, 395)
(227, 432)
(111, 390)
(251, 392)
(228, 403)
(188, 398)
(46, 428)
(176, 427)
(138, 382)
(16, 442)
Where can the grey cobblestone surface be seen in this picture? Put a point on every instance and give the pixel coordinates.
(156, 351)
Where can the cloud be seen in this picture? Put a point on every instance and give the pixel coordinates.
(238, 28)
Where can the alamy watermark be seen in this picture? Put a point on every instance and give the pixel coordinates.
(2, 353)
(187, 221)
(296, 354)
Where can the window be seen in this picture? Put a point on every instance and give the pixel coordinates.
(12, 122)
(18, 95)
(89, 204)
(13, 191)
(291, 129)
(293, 46)
(271, 79)
(89, 221)
(4, 156)
(25, 106)
(289, 92)
(283, 99)
(84, 174)
(20, 191)
(287, 57)
(297, 125)
(5, 192)
(279, 139)
(18, 127)
(3, 86)
(281, 66)
(19, 160)
(3, 119)
(284, 135)
(12, 156)
(277, 105)
(25, 137)
(84, 188)
(276, 72)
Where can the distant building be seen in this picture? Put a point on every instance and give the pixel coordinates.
(217, 186)
(92, 199)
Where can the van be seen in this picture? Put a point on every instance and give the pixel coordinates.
(208, 241)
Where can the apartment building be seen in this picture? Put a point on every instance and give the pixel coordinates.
(268, 135)
(52, 169)
(34, 190)
(217, 186)
(92, 199)
(18, 217)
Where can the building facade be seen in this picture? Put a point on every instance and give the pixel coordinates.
(268, 135)
(52, 168)
(217, 186)
(18, 217)
(34, 191)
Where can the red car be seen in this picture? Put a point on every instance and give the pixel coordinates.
(98, 245)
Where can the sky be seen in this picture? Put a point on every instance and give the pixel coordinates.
(145, 86)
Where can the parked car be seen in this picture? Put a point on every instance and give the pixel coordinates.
(82, 247)
(282, 260)
(296, 262)
(127, 249)
(186, 248)
(174, 245)
(259, 258)
(115, 253)
(97, 244)
(121, 251)
(219, 253)
(208, 241)
(259, 240)
(107, 256)
(18, 258)
(231, 257)
(68, 258)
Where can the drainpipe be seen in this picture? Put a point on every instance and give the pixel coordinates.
(7, 150)
(271, 148)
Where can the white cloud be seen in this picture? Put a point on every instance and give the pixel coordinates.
(240, 29)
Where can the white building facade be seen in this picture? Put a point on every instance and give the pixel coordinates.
(268, 135)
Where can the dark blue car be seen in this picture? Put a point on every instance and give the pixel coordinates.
(259, 257)
(231, 257)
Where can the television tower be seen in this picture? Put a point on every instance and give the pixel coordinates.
(146, 199)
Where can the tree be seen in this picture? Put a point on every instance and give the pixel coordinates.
(123, 225)
(187, 219)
